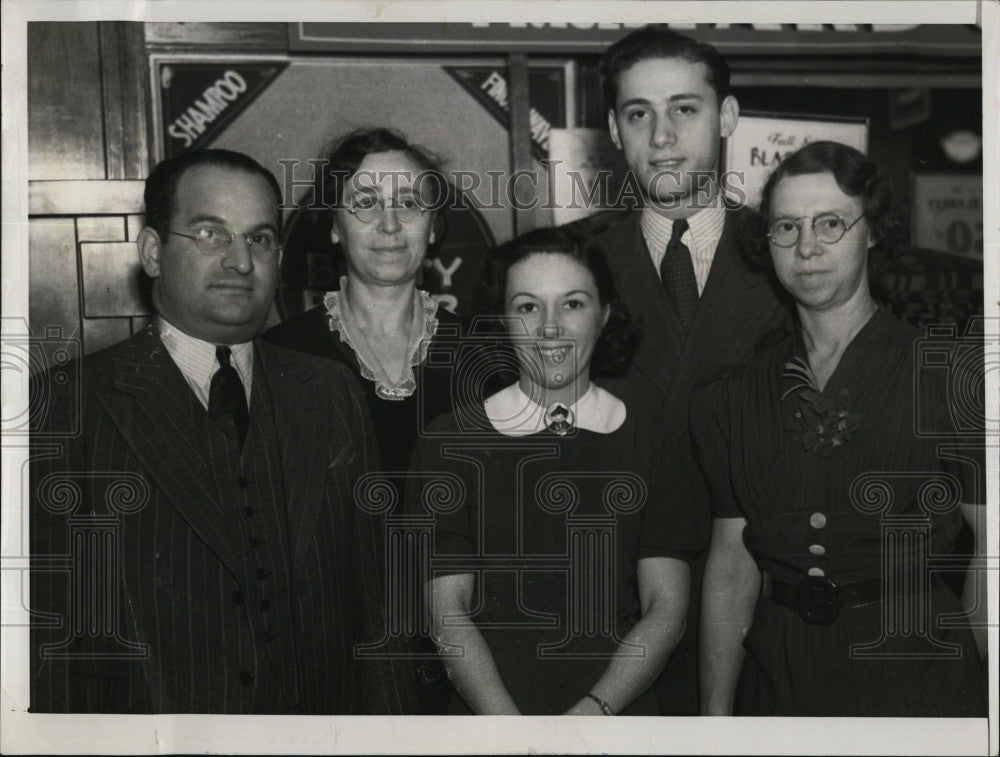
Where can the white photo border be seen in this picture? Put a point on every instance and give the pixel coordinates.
(21, 732)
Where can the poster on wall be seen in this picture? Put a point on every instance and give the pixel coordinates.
(761, 141)
(948, 213)
(256, 105)
(547, 92)
(195, 99)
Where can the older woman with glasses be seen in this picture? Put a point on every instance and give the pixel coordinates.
(376, 185)
(836, 470)
(383, 194)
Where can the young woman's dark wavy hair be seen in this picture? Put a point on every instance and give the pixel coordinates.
(618, 339)
(857, 176)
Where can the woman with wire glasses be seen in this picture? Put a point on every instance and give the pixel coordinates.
(840, 465)
(383, 198)
(379, 190)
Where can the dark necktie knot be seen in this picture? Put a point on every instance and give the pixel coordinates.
(227, 400)
(677, 275)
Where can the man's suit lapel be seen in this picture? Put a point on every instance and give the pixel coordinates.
(728, 282)
(303, 440)
(639, 285)
(160, 419)
(734, 300)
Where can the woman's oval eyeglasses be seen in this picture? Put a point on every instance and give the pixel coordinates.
(368, 207)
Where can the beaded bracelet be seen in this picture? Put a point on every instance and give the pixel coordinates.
(605, 707)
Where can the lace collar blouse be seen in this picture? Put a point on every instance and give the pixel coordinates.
(422, 329)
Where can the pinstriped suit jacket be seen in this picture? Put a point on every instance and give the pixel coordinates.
(128, 505)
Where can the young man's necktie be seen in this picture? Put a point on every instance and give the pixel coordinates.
(677, 275)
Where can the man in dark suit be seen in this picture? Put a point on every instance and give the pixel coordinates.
(678, 264)
(196, 544)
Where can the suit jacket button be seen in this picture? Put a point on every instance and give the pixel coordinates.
(249, 512)
(241, 482)
(237, 597)
(265, 605)
(254, 542)
(246, 678)
(263, 573)
(268, 637)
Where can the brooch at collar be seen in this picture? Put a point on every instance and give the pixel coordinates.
(824, 423)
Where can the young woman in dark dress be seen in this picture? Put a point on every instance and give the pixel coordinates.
(559, 574)
(832, 483)
(378, 322)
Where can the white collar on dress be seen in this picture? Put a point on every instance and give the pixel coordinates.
(514, 413)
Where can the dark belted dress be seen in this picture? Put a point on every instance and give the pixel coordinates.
(854, 486)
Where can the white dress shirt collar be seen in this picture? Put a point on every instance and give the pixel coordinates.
(197, 362)
(701, 238)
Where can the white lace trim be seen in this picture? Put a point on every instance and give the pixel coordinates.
(342, 322)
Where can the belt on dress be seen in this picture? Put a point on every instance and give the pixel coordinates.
(818, 600)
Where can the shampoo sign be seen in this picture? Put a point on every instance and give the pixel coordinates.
(197, 100)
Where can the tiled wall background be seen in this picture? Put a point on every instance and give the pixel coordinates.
(87, 155)
(85, 278)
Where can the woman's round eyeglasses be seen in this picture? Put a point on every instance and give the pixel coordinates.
(828, 228)
(368, 207)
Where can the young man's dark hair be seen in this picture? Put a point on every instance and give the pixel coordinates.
(657, 41)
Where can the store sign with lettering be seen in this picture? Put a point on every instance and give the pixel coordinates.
(566, 38)
(546, 93)
(760, 142)
(198, 100)
(948, 213)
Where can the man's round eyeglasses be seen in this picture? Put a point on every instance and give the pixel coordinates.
(368, 207)
(214, 240)
(828, 228)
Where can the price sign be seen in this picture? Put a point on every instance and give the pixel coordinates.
(948, 213)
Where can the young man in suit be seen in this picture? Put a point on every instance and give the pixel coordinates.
(197, 544)
(678, 264)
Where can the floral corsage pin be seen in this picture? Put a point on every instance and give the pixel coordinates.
(824, 423)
